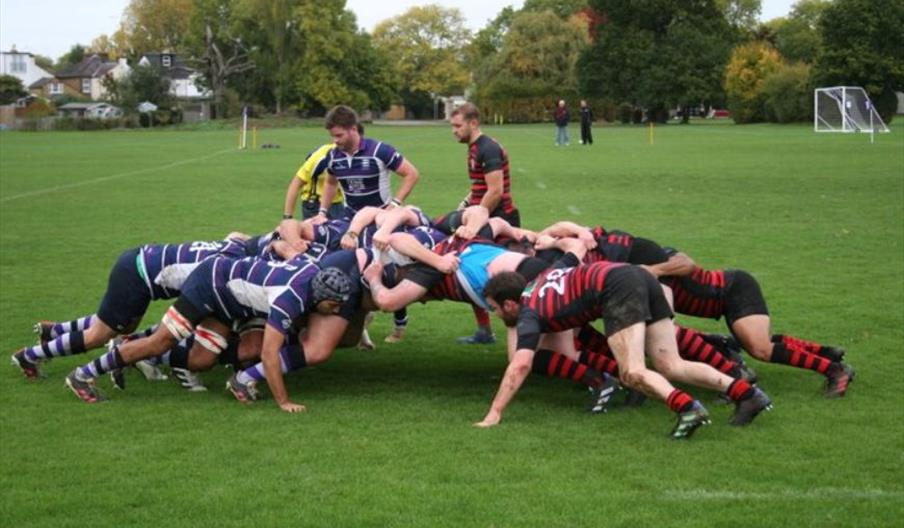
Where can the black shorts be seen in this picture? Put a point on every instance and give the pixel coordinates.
(743, 296)
(631, 295)
(513, 217)
(127, 297)
(645, 251)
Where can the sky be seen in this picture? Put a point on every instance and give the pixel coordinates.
(51, 27)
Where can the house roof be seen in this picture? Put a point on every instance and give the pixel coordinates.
(40, 83)
(92, 66)
(83, 106)
(177, 68)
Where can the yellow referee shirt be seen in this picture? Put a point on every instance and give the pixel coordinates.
(314, 169)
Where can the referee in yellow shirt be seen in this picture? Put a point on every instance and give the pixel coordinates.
(308, 184)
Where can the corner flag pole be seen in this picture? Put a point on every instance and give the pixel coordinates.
(244, 127)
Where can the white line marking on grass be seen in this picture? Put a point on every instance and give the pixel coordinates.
(785, 494)
(540, 184)
(113, 176)
(574, 210)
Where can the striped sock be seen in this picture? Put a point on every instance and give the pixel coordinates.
(147, 332)
(599, 362)
(482, 316)
(554, 365)
(679, 401)
(77, 325)
(739, 390)
(796, 343)
(798, 358)
(100, 366)
(691, 346)
(401, 318)
(589, 338)
(289, 360)
(62, 345)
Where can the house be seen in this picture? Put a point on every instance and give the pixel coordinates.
(184, 84)
(21, 64)
(86, 78)
(90, 110)
(49, 87)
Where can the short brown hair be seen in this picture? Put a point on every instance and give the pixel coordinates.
(468, 111)
(341, 116)
(507, 286)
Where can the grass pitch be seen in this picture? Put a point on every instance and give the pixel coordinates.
(387, 439)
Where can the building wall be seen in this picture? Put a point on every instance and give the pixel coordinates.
(32, 73)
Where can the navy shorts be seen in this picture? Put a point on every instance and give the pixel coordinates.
(127, 297)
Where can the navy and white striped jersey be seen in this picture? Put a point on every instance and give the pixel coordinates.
(164, 267)
(364, 176)
(253, 287)
(329, 234)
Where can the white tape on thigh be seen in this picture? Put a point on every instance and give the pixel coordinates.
(210, 340)
(177, 324)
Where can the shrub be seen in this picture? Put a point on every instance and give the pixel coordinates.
(749, 66)
(788, 94)
(625, 112)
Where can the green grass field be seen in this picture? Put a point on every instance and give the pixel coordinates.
(387, 439)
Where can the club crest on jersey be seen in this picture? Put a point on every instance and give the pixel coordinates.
(365, 164)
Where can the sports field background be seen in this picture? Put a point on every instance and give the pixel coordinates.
(387, 439)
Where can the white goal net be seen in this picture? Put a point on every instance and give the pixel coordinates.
(845, 109)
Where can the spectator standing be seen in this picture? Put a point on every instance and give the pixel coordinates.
(562, 117)
(586, 121)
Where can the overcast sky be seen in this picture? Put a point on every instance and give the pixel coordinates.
(51, 27)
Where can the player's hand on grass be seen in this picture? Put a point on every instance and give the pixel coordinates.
(492, 418)
(449, 263)
(290, 407)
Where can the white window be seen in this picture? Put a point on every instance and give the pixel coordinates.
(18, 64)
(166, 60)
(56, 88)
(86, 85)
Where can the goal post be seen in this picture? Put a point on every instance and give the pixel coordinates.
(845, 109)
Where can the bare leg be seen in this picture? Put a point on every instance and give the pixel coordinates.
(663, 350)
(627, 346)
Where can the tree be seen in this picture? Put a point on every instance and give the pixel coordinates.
(562, 8)
(10, 89)
(340, 64)
(749, 66)
(155, 26)
(72, 57)
(44, 62)
(105, 45)
(535, 65)
(427, 47)
(741, 15)
(862, 43)
(657, 53)
(218, 50)
(797, 37)
(271, 29)
(143, 83)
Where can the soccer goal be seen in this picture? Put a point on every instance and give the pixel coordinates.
(845, 109)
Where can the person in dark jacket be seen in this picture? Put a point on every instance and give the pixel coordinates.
(586, 121)
(562, 117)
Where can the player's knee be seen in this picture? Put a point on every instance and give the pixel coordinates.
(98, 334)
(210, 340)
(201, 359)
(761, 351)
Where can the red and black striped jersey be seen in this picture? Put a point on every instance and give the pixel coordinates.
(701, 294)
(487, 155)
(612, 246)
(560, 299)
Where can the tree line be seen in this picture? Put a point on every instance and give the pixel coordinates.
(648, 56)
